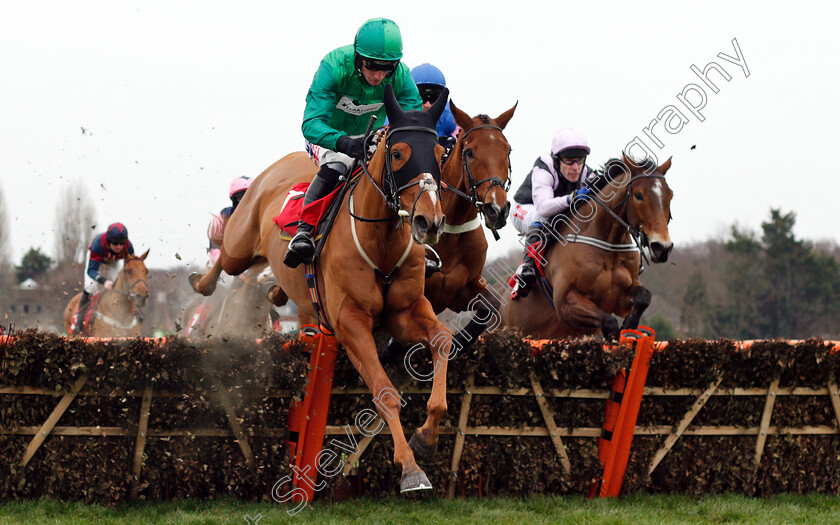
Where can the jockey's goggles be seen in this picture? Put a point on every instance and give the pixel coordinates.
(429, 92)
(379, 65)
(568, 161)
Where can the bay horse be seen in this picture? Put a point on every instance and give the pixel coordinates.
(371, 270)
(241, 311)
(476, 178)
(114, 313)
(592, 270)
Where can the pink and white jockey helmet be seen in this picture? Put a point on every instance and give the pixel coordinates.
(569, 139)
(239, 184)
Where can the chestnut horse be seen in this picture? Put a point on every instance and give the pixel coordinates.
(371, 270)
(592, 270)
(476, 177)
(114, 313)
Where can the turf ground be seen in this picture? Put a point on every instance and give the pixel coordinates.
(645, 509)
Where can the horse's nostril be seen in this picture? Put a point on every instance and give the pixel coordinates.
(660, 251)
(421, 224)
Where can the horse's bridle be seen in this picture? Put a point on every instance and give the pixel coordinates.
(392, 191)
(637, 235)
(472, 183)
(129, 289)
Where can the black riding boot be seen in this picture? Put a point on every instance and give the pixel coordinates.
(302, 246)
(527, 272)
(84, 302)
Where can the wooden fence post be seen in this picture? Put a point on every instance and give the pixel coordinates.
(765, 420)
(463, 417)
(550, 425)
(48, 425)
(140, 445)
(672, 438)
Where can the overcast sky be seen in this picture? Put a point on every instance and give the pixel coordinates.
(156, 105)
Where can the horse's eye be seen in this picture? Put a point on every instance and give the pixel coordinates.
(468, 153)
(396, 155)
(638, 195)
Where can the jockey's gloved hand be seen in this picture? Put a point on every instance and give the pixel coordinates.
(352, 147)
(581, 194)
(109, 284)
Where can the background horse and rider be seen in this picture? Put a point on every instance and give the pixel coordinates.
(371, 270)
(115, 312)
(238, 310)
(591, 270)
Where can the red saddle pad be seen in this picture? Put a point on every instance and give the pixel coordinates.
(293, 209)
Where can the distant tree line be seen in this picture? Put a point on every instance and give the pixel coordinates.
(750, 286)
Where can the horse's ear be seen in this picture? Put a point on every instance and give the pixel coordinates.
(663, 169)
(631, 165)
(392, 107)
(437, 108)
(461, 118)
(505, 117)
(143, 257)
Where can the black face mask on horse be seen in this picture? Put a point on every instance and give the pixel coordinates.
(418, 128)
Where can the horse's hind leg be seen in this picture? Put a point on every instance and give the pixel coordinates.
(205, 284)
(640, 299)
(355, 328)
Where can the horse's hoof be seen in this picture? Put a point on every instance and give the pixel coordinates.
(422, 451)
(195, 281)
(415, 481)
(276, 296)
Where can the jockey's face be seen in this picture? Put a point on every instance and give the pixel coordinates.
(116, 247)
(571, 168)
(374, 78)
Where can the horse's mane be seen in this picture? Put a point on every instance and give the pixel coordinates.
(484, 118)
(615, 168)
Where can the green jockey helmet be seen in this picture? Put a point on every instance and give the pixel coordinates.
(379, 39)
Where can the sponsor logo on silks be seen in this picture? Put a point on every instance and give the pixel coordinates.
(347, 105)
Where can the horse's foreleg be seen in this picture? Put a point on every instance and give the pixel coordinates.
(419, 323)
(640, 300)
(579, 311)
(355, 330)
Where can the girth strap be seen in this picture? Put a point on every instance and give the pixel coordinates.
(311, 275)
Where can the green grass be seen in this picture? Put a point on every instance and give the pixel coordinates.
(645, 509)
